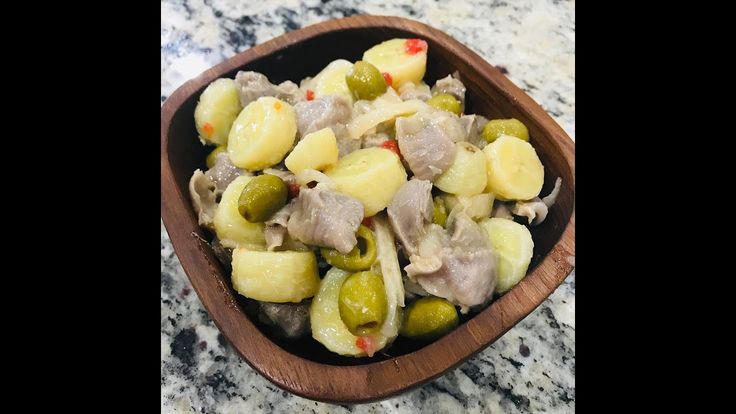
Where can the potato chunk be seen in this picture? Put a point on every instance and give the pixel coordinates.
(404, 59)
(316, 151)
(262, 134)
(231, 228)
(216, 111)
(372, 175)
(467, 175)
(278, 277)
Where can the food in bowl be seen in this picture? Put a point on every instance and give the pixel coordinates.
(364, 205)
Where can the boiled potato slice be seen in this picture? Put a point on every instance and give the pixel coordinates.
(262, 134)
(231, 228)
(316, 151)
(467, 175)
(514, 247)
(216, 111)
(372, 175)
(404, 59)
(331, 80)
(275, 276)
(514, 169)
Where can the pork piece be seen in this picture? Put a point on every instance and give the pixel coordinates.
(536, 210)
(345, 143)
(409, 90)
(448, 122)
(275, 227)
(426, 141)
(502, 209)
(290, 319)
(473, 128)
(206, 188)
(321, 113)
(450, 85)
(290, 92)
(224, 172)
(325, 218)
(202, 193)
(254, 85)
(409, 213)
(458, 264)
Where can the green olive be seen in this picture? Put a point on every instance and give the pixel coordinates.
(261, 197)
(365, 81)
(357, 259)
(497, 127)
(428, 319)
(362, 303)
(213, 155)
(446, 102)
(439, 213)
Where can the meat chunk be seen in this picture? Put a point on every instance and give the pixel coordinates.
(275, 227)
(254, 85)
(450, 85)
(345, 143)
(325, 218)
(410, 211)
(321, 113)
(473, 127)
(426, 141)
(290, 92)
(459, 266)
(536, 210)
(502, 209)
(290, 319)
(206, 188)
(223, 172)
(409, 90)
(202, 193)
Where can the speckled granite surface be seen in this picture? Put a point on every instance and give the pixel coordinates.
(532, 367)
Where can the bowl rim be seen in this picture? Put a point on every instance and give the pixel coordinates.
(381, 379)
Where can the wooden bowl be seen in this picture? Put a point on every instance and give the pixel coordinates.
(304, 367)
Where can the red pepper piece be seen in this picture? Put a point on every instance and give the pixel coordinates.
(367, 344)
(391, 145)
(388, 79)
(414, 46)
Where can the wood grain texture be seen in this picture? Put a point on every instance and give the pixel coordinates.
(304, 368)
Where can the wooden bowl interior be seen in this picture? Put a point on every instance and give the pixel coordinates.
(296, 62)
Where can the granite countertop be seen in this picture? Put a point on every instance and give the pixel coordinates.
(532, 367)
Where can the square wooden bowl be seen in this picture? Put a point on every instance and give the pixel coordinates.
(304, 367)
